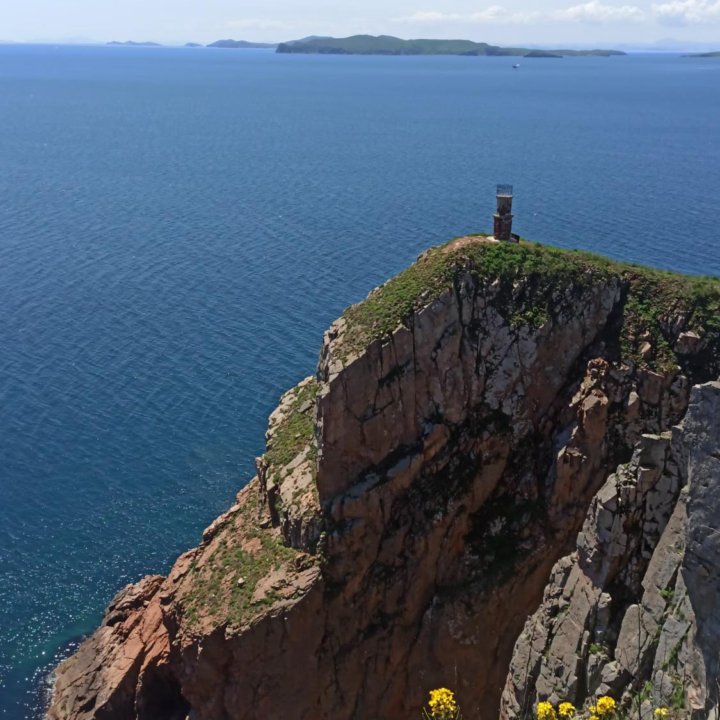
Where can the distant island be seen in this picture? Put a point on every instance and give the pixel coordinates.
(135, 44)
(388, 45)
(542, 54)
(240, 44)
(705, 54)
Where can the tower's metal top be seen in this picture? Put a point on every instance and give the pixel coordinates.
(504, 190)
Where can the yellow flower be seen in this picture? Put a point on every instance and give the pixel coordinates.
(593, 717)
(605, 706)
(442, 704)
(566, 710)
(545, 711)
(593, 709)
(661, 713)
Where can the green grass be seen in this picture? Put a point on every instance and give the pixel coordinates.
(655, 297)
(295, 431)
(215, 592)
(436, 270)
(677, 699)
(529, 276)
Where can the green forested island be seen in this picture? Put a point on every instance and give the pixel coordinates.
(542, 54)
(240, 44)
(705, 54)
(389, 45)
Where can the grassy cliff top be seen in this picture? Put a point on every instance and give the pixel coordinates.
(652, 298)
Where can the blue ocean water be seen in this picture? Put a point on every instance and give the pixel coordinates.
(178, 226)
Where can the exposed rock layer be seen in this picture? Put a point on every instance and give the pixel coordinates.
(412, 503)
(633, 612)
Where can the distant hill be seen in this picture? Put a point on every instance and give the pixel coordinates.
(193, 45)
(705, 54)
(587, 53)
(240, 44)
(133, 43)
(542, 54)
(388, 45)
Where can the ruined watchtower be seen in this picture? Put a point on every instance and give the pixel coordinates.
(502, 225)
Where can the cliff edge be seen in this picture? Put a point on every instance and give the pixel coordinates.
(415, 497)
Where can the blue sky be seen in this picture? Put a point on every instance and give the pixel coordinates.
(580, 22)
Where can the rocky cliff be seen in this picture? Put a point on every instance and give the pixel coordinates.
(634, 611)
(422, 490)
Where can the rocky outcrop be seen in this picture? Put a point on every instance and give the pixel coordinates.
(633, 612)
(415, 496)
(131, 645)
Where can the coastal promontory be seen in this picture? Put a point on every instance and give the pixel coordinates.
(500, 478)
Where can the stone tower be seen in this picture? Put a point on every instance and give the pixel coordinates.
(502, 225)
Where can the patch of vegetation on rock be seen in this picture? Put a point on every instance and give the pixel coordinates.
(295, 429)
(223, 585)
(656, 301)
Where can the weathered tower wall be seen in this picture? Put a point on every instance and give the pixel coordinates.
(502, 220)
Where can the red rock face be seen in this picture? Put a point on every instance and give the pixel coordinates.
(405, 544)
(131, 645)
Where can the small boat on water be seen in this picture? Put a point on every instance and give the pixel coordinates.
(516, 66)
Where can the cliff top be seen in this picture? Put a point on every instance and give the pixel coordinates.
(654, 298)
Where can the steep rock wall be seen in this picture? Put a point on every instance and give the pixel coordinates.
(413, 500)
(633, 612)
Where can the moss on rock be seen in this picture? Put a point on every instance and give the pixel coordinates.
(294, 430)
